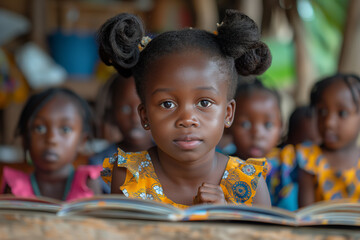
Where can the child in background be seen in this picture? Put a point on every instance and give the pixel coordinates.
(121, 108)
(186, 81)
(54, 125)
(302, 126)
(256, 133)
(331, 170)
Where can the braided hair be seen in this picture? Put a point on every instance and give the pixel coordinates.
(352, 81)
(237, 45)
(248, 87)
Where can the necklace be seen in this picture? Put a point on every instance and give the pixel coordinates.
(69, 180)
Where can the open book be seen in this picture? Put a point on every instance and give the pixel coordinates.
(341, 212)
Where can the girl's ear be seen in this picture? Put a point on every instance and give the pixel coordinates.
(143, 116)
(230, 113)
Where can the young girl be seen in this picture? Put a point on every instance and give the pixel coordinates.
(257, 131)
(186, 81)
(121, 109)
(331, 170)
(54, 125)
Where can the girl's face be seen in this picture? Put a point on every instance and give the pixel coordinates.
(55, 134)
(257, 125)
(126, 102)
(338, 118)
(186, 105)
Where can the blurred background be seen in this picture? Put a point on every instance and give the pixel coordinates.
(53, 42)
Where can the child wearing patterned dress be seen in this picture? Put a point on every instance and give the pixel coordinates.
(331, 170)
(186, 81)
(54, 125)
(121, 109)
(256, 133)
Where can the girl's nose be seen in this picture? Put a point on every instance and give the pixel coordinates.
(330, 120)
(187, 118)
(258, 131)
(51, 136)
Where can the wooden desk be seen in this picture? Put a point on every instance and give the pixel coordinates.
(47, 226)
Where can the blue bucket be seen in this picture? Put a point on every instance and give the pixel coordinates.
(76, 52)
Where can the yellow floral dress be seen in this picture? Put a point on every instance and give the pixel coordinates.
(330, 184)
(239, 181)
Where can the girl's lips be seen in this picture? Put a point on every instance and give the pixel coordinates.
(330, 137)
(187, 143)
(50, 156)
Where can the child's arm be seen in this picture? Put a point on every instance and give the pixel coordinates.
(209, 193)
(262, 196)
(118, 179)
(306, 189)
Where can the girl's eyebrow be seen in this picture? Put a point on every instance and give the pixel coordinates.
(198, 88)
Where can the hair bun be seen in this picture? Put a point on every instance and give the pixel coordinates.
(118, 40)
(239, 37)
(254, 61)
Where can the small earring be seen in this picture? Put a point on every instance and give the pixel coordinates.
(227, 123)
(146, 125)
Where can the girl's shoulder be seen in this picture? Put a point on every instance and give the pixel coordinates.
(309, 156)
(18, 181)
(128, 160)
(241, 177)
(253, 166)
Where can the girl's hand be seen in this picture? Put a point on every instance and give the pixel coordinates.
(209, 193)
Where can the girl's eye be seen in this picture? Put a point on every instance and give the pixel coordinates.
(245, 124)
(204, 103)
(41, 129)
(66, 129)
(268, 125)
(167, 105)
(343, 114)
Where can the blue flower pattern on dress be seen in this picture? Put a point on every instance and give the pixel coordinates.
(125, 192)
(105, 172)
(143, 164)
(143, 195)
(254, 182)
(158, 190)
(112, 160)
(248, 170)
(121, 159)
(226, 174)
(328, 185)
(336, 196)
(242, 191)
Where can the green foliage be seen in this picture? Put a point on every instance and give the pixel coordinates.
(324, 32)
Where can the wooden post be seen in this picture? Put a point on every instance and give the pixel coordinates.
(349, 60)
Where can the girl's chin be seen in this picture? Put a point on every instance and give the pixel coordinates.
(256, 152)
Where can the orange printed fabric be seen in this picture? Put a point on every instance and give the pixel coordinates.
(330, 184)
(239, 182)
